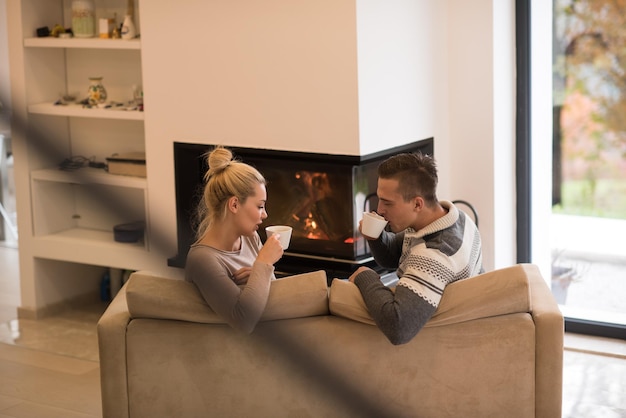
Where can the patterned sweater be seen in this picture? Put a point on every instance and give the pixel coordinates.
(427, 260)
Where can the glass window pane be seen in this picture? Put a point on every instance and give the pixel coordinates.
(588, 222)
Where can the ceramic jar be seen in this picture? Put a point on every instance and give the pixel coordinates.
(83, 18)
(128, 28)
(96, 94)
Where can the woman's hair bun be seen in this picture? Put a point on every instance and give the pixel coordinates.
(218, 159)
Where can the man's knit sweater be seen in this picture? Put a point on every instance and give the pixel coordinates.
(427, 260)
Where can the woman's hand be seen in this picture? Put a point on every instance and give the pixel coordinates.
(271, 251)
(241, 276)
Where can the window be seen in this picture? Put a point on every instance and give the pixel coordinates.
(587, 219)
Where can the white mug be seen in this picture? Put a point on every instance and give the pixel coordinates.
(283, 230)
(373, 224)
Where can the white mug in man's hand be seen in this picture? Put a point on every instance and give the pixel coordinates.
(373, 224)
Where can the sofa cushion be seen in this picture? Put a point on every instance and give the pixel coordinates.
(345, 300)
(150, 296)
(494, 293)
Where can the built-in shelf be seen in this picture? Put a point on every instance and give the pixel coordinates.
(91, 43)
(76, 110)
(72, 215)
(89, 175)
(88, 246)
(89, 237)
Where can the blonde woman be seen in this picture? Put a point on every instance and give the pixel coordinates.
(228, 263)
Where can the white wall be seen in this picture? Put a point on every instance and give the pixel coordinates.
(541, 134)
(270, 74)
(504, 135)
(397, 43)
(481, 69)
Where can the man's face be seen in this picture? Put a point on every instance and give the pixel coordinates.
(393, 207)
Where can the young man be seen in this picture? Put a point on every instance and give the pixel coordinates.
(432, 244)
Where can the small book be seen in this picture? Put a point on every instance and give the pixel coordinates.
(127, 164)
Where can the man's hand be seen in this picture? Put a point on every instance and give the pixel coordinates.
(361, 231)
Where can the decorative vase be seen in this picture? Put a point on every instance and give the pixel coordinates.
(128, 28)
(96, 94)
(83, 18)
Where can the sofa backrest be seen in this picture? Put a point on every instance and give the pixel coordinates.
(499, 292)
(150, 296)
(494, 293)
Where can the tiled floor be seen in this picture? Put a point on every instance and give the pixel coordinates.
(49, 367)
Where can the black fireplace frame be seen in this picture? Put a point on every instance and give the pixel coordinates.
(189, 167)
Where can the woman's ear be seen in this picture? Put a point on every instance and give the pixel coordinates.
(233, 204)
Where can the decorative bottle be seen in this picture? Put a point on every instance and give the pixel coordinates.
(83, 18)
(96, 94)
(128, 28)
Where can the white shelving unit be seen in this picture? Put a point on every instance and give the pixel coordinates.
(88, 176)
(89, 43)
(78, 111)
(69, 240)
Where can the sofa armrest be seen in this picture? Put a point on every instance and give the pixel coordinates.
(549, 332)
(111, 329)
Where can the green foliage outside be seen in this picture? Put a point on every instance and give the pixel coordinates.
(603, 198)
(590, 95)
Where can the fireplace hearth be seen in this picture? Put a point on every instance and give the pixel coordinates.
(322, 196)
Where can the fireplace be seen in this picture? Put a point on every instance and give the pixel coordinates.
(322, 196)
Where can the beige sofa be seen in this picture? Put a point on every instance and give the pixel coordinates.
(493, 349)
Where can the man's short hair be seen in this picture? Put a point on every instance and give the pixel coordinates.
(416, 174)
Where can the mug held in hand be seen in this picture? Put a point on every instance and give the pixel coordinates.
(283, 230)
(373, 224)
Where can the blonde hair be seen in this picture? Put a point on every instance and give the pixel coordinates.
(225, 178)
